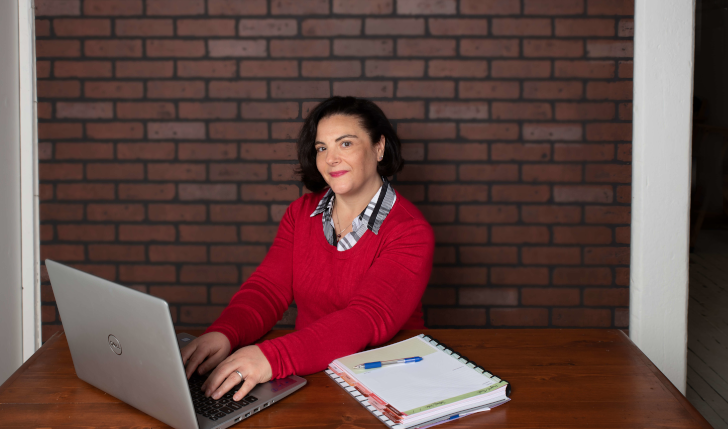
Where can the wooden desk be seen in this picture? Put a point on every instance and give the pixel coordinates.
(560, 378)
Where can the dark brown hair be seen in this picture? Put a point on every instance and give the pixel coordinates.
(371, 118)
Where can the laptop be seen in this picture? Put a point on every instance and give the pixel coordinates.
(122, 341)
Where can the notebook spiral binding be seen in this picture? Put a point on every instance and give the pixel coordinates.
(462, 359)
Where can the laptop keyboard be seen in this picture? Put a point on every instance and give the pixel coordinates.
(215, 409)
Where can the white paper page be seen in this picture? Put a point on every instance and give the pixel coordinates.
(437, 377)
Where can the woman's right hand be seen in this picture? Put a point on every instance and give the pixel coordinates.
(205, 352)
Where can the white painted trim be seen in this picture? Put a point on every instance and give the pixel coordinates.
(29, 220)
(663, 90)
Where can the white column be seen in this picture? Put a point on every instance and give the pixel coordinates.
(663, 89)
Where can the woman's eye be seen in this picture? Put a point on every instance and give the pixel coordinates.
(346, 143)
(320, 149)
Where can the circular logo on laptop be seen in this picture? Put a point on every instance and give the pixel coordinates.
(114, 344)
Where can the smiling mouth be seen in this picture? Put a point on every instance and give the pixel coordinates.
(337, 173)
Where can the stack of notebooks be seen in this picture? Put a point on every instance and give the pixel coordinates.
(442, 387)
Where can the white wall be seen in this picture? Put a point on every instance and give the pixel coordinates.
(10, 280)
(663, 85)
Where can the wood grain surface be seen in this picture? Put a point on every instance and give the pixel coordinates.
(571, 378)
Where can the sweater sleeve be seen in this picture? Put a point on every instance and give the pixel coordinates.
(389, 292)
(266, 294)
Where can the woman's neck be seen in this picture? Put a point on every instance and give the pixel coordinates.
(350, 205)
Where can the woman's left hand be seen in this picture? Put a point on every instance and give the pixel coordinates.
(250, 361)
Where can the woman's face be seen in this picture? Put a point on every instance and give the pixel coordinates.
(345, 156)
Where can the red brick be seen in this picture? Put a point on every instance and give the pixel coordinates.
(584, 111)
(115, 171)
(532, 111)
(203, 315)
(593, 69)
(43, 69)
(626, 69)
(458, 193)
(269, 192)
(552, 48)
(583, 193)
(268, 151)
(551, 255)
(116, 252)
(64, 69)
(553, 131)
(208, 192)
(521, 27)
(147, 273)
(81, 110)
(583, 152)
(610, 7)
(268, 68)
(45, 191)
(295, 48)
(489, 172)
(81, 27)
(490, 7)
(48, 313)
(519, 234)
(213, 68)
(238, 254)
(257, 233)
(621, 90)
(57, 48)
(62, 252)
(46, 233)
(177, 253)
(60, 89)
(457, 151)
(266, 110)
(428, 130)
(426, 7)
(489, 89)
(438, 213)
(421, 47)
(176, 48)
(551, 173)
(394, 26)
(238, 172)
(177, 212)
(146, 191)
(59, 131)
(144, 69)
(175, 7)
(624, 194)
(560, 90)
(60, 171)
(582, 235)
(112, 7)
(581, 317)
(176, 130)
(362, 48)
(553, 7)
(207, 151)
(488, 214)
(519, 276)
(115, 212)
(86, 232)
(371, 89)
(520, 152)
(489, 131)
(606, 297)
(208, 110)
(395, 68)
(235, 213)
(550, 296)
(456, 68)
(621, 317)
(45, 151)
(145, 110)
(146, 233)
(584, 27)
(299, 7)
(115, 130)
(176, 172)
(112, 48)
(236, 7)
(621, 276)
(207, 27)
(432, 89)
(57, 7)
(625, 111)
(237, 90)
(458, 26)
(85, 191)
(520, 68)
(619, 173)
(144, 27)
(439, 296)
(45, 110)
(519, 317)
(331, 69)
(42, 27)
(238, 130)
(428, 172)
(330, 27)
(437, 317)
(156, 151)
(607, 214)
(609, 48)
(175, 89)
(520, 193)
(180, 294)
(278, 210)
(461, 234)
(489, 48)
(488, 296)
(414, 193)
(497, 255)
(551, 214)
(54, 211)
(98, 89)
(606, 255)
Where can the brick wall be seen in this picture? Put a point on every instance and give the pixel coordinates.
(167, 127)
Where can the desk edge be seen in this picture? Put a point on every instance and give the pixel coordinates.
(18, 372)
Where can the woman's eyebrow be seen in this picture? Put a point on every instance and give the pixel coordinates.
(345, 135)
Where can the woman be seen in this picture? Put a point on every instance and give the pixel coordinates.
(354, 254)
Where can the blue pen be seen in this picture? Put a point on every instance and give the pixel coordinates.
(380, 364)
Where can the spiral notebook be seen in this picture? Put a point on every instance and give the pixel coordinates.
(444, 386)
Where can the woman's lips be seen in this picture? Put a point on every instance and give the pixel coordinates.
(338, 173)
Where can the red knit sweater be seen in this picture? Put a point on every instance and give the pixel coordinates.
(347, 300)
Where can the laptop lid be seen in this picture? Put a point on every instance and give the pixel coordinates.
(122, 341)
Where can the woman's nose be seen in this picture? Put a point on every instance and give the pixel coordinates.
(332, 157)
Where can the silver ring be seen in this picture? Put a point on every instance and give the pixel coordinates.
(241, 375)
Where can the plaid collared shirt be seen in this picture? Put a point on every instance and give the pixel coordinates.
(371, 218)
